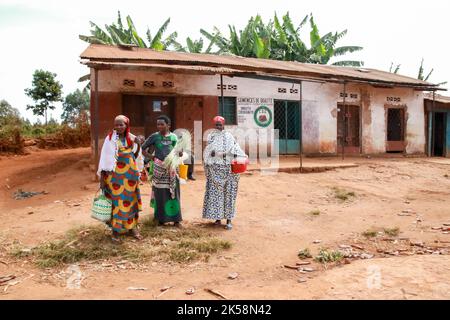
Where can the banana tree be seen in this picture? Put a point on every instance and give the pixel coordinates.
(420, 76)
(117, 34)
(194, 46)
(253, 41)
(286, 42)
(323, 49)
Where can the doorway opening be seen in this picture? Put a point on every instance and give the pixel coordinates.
(395, 141)
(439, 125)
(348, 129)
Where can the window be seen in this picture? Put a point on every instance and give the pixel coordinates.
(228, 110)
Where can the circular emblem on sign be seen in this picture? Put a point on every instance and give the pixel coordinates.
(263, 116)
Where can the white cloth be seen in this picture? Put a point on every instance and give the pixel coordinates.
(223, 143)
(108, 155)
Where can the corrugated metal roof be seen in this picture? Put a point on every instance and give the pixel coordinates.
(161, 67)
(438, 98)
(105, 53)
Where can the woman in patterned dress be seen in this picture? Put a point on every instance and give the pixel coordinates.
(119, 169)
(221, 184)
(165, 198)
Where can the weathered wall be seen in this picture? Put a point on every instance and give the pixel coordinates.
(319, 113)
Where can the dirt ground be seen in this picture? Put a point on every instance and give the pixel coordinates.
(273, 223)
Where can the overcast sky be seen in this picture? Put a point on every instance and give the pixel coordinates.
(43, 34)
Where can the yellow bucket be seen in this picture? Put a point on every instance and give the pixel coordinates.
(183, 171)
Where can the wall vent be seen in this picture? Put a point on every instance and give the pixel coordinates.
(167, 84)
(232, 87)
(281, 90)
(149, 84)
(129, 83)
(294, 90)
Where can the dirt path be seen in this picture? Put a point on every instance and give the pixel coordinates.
(273, 223)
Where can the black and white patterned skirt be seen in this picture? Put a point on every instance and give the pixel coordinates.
(221, 192)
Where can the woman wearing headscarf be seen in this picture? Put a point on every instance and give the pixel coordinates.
(165, 197)
(221, 184)
(119, 170)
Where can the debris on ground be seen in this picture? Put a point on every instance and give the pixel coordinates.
(190, 291)
(216, 293)
(291, 267)
(20, 194)
(233, 275)
(137, 289)
(5, 279)
(164, 290)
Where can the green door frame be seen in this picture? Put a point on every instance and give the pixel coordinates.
(290, 146)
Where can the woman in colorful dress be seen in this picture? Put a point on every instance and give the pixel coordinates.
(119, 169)
(221, 184)
(165, 198)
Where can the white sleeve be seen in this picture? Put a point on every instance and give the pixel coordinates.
(107, 157)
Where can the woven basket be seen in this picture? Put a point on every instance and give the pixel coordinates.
(101, 208)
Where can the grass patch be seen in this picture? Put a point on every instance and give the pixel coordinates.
(304, 254)
(343, 195)
(326, 256)
(393, 232)
(94, 244)
(314, 213)
(370, 233)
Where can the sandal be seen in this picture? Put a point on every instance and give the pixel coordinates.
(116, 240)
(218, 222)
(228, 226)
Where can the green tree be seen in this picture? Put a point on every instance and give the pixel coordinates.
(323, 48)
(119, 34)
(253, 41)
(8, 114)
(74, 104)
(278, 39)
(193, 46)
(281, 40)
(45, 91)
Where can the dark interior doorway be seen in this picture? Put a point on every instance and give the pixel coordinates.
(439, 124)
(143, 111)
(395, 130)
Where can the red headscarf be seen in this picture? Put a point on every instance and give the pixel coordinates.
(219, 119)
(127, 130)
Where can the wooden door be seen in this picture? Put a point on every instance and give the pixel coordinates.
(348, 126)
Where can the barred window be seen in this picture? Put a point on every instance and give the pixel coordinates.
(228, 110)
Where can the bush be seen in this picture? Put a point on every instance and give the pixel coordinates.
(11, 139)
(53, 135)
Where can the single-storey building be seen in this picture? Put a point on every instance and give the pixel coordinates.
(314, 109)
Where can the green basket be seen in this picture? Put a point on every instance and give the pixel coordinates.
(102, 208)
